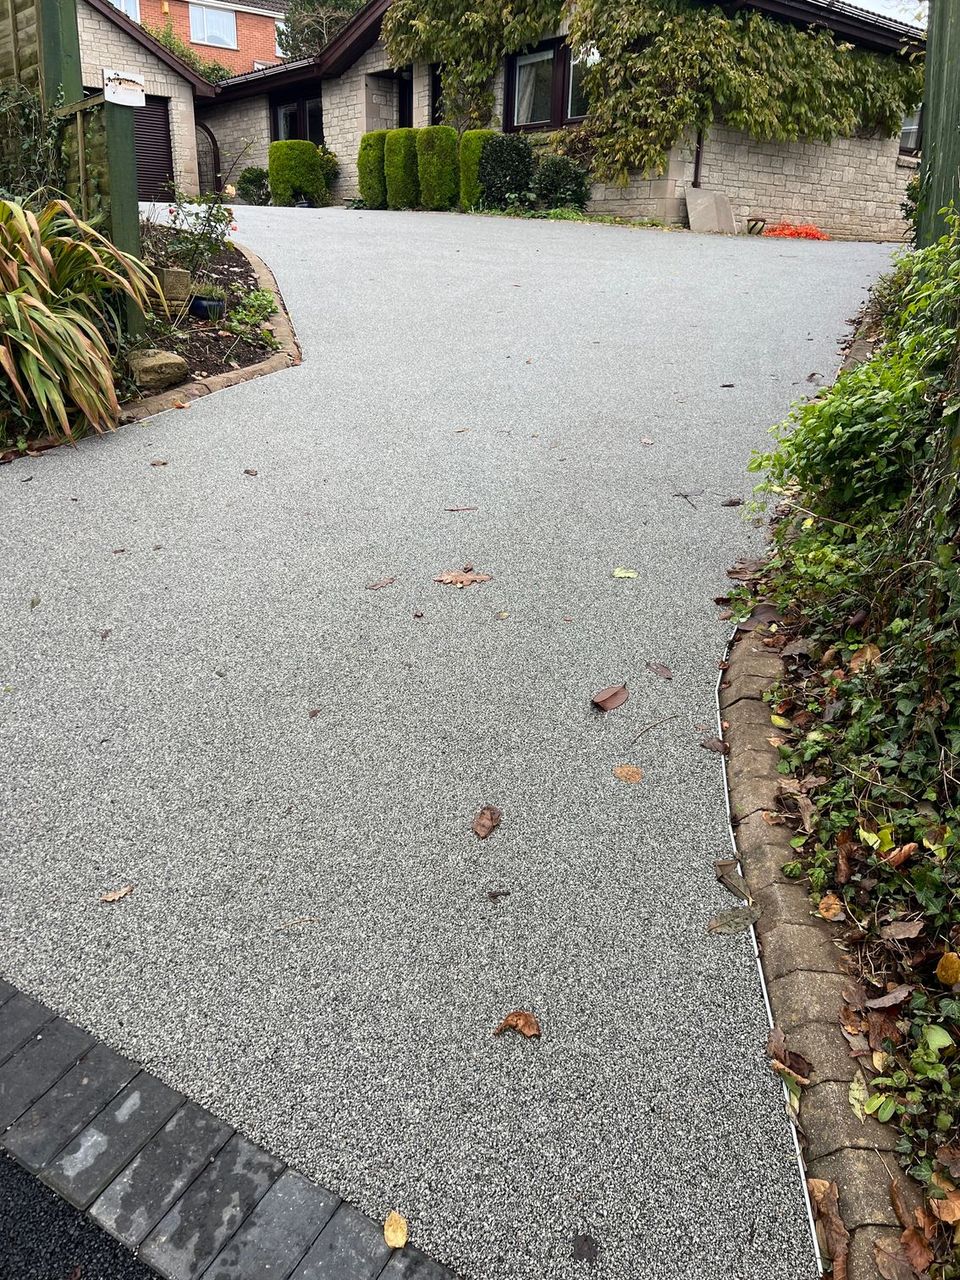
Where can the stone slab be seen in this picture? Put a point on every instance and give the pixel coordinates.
(57, 1117)
(101, 1150)
(350, 1247)
(710, 212)
(28, 1074)
(134, 1203)
(411, 1264)
(278, 1233)
(20, 1018)
(7, 992)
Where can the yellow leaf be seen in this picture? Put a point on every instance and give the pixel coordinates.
(858, 1094)
(948, 970)
(622, 572)
(780, 722)
(395, 1230)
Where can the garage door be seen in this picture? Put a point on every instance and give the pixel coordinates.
(151, 134)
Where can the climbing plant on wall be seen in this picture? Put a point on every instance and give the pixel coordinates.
(660, 67)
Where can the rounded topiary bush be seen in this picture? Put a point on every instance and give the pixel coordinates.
(400, 169)
(438, 167)
(561, 183)
(371, 178)
(505, 172)
(296, 173)
(253, 185)
(471, 145)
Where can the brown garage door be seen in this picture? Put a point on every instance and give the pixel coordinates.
(151, 133)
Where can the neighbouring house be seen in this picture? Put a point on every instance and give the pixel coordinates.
(165, 131)
(241, 37)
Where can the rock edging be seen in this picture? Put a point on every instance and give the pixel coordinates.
(288, 355)
(806, 972)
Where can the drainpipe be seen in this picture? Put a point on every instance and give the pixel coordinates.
(698, 159)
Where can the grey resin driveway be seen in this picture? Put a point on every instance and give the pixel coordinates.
(209, 702)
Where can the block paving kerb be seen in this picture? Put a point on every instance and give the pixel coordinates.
(193, 1196)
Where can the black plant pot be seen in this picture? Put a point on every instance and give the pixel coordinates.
(303, 204)
(208, 308)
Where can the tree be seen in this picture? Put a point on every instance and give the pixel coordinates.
(310, 25)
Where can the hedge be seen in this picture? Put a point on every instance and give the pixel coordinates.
(373, 184)
(400, 169)
(505, 169)
(438, 168)
(471, 145)
(561, 183)
(296, 173)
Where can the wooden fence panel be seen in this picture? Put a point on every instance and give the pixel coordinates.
(941, 118)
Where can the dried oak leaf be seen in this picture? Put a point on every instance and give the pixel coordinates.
(947, 1209)
(716, 744)
(378, 586)
(525, 1024)
(830, 907)
(462, 578)
(916, 1250)
(628, 773)
(395, 1230)
(115, 895)
(611, 697)
(659, 669)
(833, 1235)
(948, 970)
(897, 857)
(891, 999)
(487, 821)
(892, 1261)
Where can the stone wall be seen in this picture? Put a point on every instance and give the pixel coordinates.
(103, 44)
(851, 188)
(242, 131)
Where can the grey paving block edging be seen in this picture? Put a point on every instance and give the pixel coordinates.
(806, 971)
(194, 1198)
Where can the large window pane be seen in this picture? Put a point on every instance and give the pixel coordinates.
(213, 26)
(577, 100)
(534, 88)
(910, 133)
(130, 7)
(314, 121)
(287, 121)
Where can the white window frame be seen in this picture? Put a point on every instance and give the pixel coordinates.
(130, 7)
(278, 27)
(199, 33)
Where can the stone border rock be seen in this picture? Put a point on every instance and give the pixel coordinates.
(806, 971)
(288, 355)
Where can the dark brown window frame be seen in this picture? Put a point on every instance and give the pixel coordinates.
(299, 100)
(559, 90)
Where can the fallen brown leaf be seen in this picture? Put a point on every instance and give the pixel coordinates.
(496, 894)
(716, 744)
(898, 1203)
(773, 819)
(659, 669)
(916, 1250)
(726, 872)
(462, 578)
(892, 1262)
(115, 895)
(949, 1157)
(180, 404)
(830, 907)
(378, 586)
(882, 1026)
(158, 462)
(628, 773)
(891, 999)
(460, 430)
(833, 1235)
(897, 857)
(520, 1021)
(736, 920)
(487, 821)
(732, 502)
(783, 1059)
(250, 471)
(395, 1230)
(313, 713)
(613, 696)
(418, 613)
(866, 656)
(901, 929)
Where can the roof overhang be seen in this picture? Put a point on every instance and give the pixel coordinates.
(860, 26)
(201, 88)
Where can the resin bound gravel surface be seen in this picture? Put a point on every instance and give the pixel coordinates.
(201, 696)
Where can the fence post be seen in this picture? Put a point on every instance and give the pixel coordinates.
(124, 210)
(61, 79)
(941, 119)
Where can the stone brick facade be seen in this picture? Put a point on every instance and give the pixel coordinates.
(242, 131)
(256, 34)
(103, 44)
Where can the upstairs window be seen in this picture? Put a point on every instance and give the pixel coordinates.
(276, 44)
(130, 7)
(217, 27)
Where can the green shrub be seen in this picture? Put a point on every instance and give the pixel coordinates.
(253, 185)
(329, 167)
(296, 173)
(505, 171)
(561, 183)
(373, 184)
(438, 169)
(400, 169)
(471, 145)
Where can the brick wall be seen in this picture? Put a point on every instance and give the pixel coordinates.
(851, 188)
(103, 44)
(242, 131)
(256, 34)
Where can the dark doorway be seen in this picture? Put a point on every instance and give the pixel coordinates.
(151, 140)
(405, 98)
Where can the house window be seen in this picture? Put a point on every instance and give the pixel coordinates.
(130, 7)
(545, 87)
(213, 26)
(287, 121)
(279, 29)
(533, 98)
(301, 119)
(910, 134)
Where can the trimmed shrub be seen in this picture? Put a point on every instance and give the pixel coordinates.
(438, 169)
(505, 171)
(400, 169)
(471, 144)
(373, 184)
(296, 173)
(329, 167)
(561, 183)
(253, 185)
